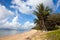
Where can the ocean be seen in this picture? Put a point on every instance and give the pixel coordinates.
(10, 32)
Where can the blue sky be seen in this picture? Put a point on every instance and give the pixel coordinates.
(18, 13)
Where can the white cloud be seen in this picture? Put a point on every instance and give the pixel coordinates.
(4, 22)
(13, 25)
(4, 12)
(16, 25)
(58, 4)
(21, 6)
(28, 25)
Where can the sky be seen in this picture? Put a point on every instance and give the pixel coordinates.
(18, 14)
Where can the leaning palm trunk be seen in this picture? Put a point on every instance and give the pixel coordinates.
(43, 26)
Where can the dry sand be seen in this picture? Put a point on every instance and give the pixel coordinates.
(22, 36)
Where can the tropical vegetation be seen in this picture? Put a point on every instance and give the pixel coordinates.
(46, 20)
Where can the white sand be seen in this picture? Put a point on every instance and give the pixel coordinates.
(22, 36)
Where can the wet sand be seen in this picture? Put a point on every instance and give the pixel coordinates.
(22, 36)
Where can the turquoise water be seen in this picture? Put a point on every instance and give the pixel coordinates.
(9, 32)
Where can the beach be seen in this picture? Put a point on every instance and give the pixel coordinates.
(22, 36)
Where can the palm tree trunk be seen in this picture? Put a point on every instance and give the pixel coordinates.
(43, 26)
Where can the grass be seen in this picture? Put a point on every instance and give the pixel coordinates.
(53, 35)
(50, 35)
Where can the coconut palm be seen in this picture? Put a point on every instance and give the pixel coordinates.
(42, 13)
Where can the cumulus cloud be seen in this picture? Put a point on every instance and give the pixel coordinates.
(58, 4)
(28, 25)
(16, 25)
(4, 12)
(22, 6)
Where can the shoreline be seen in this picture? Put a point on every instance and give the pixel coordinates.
(21, 36)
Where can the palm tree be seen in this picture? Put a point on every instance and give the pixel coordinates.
(42, 13)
